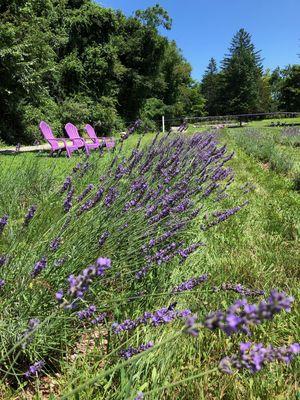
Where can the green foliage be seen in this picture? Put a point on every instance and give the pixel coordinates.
(241, 75)
(154, 17)
(290, 89)
(210, 87)
(78, 61)
(241, 87)
(263, 147)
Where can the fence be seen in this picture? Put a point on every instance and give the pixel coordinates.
(240, 118)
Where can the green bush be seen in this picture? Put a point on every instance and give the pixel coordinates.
(258, 145)
(296, 182)
(280, 162)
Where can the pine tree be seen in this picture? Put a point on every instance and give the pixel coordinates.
(210, 88)
(241, 76)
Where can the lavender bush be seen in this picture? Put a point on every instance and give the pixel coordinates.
(140, 214)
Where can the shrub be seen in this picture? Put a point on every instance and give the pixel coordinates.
(280, 162)
(296, 182)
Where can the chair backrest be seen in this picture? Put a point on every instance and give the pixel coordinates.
(91, 132)
(72, 131)
(46, 130)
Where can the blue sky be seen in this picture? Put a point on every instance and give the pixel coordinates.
(204, 28)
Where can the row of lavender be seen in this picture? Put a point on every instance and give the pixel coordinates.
(143, 208)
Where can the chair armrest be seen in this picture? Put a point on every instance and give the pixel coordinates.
(81, 140)
(57, 140)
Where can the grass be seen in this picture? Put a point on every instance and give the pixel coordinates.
(258, 247)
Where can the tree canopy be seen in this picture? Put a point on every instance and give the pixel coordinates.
(73, 60)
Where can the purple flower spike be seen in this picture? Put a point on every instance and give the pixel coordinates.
(162, 316)
(254, 357)
(59, 295)
(3, 222)
(66, 185)
(78, 285)
(39, 266)
(34, 369)
(54, 245)
(241, 315)
(3, 260)
(131, 351)
(190, 284)
(85, 192)
(68, 200)
(30, 214)
(87, 313)
(103, 238)
(2, 283)
(99, 319)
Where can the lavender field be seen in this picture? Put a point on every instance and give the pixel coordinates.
(166, 269)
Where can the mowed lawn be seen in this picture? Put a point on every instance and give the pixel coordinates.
(258, 247)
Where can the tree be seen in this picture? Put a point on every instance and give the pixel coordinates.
(210, 88)
(75, 60)
(290, 89)
(241, 76)
(154, 17)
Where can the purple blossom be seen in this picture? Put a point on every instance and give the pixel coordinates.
(84, 169)
(89, 204)
(139, 396)
(159, 317)
(131, 351)
(68, 200)
(241, 315)
(60, 262)
(111, 196)
(238, 288)
(34, 369)
(87, 313)
(54, 245)
(2, 283)
(78, 285)
(3, 222)
(66, 185)
(224, 215)
(99, 319)
(142, 272)
(30, 214)
(190, 284)
(39, 266)
(254, 357)
(103, 238)
(3, 260)
(85, 192)
(184, 253)
(59, 295)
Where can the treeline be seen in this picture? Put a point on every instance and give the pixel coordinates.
(73, 60)
(241, 86)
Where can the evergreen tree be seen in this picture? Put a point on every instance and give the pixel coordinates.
(241, 76)
(210, 87)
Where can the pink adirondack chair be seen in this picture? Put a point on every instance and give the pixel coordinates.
(73, 134)
(109, 143)
(57, 144)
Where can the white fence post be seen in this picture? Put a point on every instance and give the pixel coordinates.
(163, 123)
